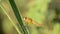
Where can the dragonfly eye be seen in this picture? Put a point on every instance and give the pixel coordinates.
(25, 18)
(29, 20)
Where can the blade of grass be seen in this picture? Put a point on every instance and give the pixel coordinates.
(18, 16)
(10, 19)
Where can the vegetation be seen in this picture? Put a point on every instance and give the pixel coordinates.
(28, 17)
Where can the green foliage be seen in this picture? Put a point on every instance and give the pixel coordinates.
(18, 16)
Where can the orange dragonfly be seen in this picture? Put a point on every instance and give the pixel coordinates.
(32, 22)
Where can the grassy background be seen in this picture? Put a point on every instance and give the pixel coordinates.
(36, 10)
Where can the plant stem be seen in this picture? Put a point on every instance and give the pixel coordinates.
(18, 16)
(12, 22)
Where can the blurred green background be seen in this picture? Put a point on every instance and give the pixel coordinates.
(37, 10)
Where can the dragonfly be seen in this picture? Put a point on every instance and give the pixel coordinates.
(32, 22)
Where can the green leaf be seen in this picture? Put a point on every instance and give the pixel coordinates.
(18, 16)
